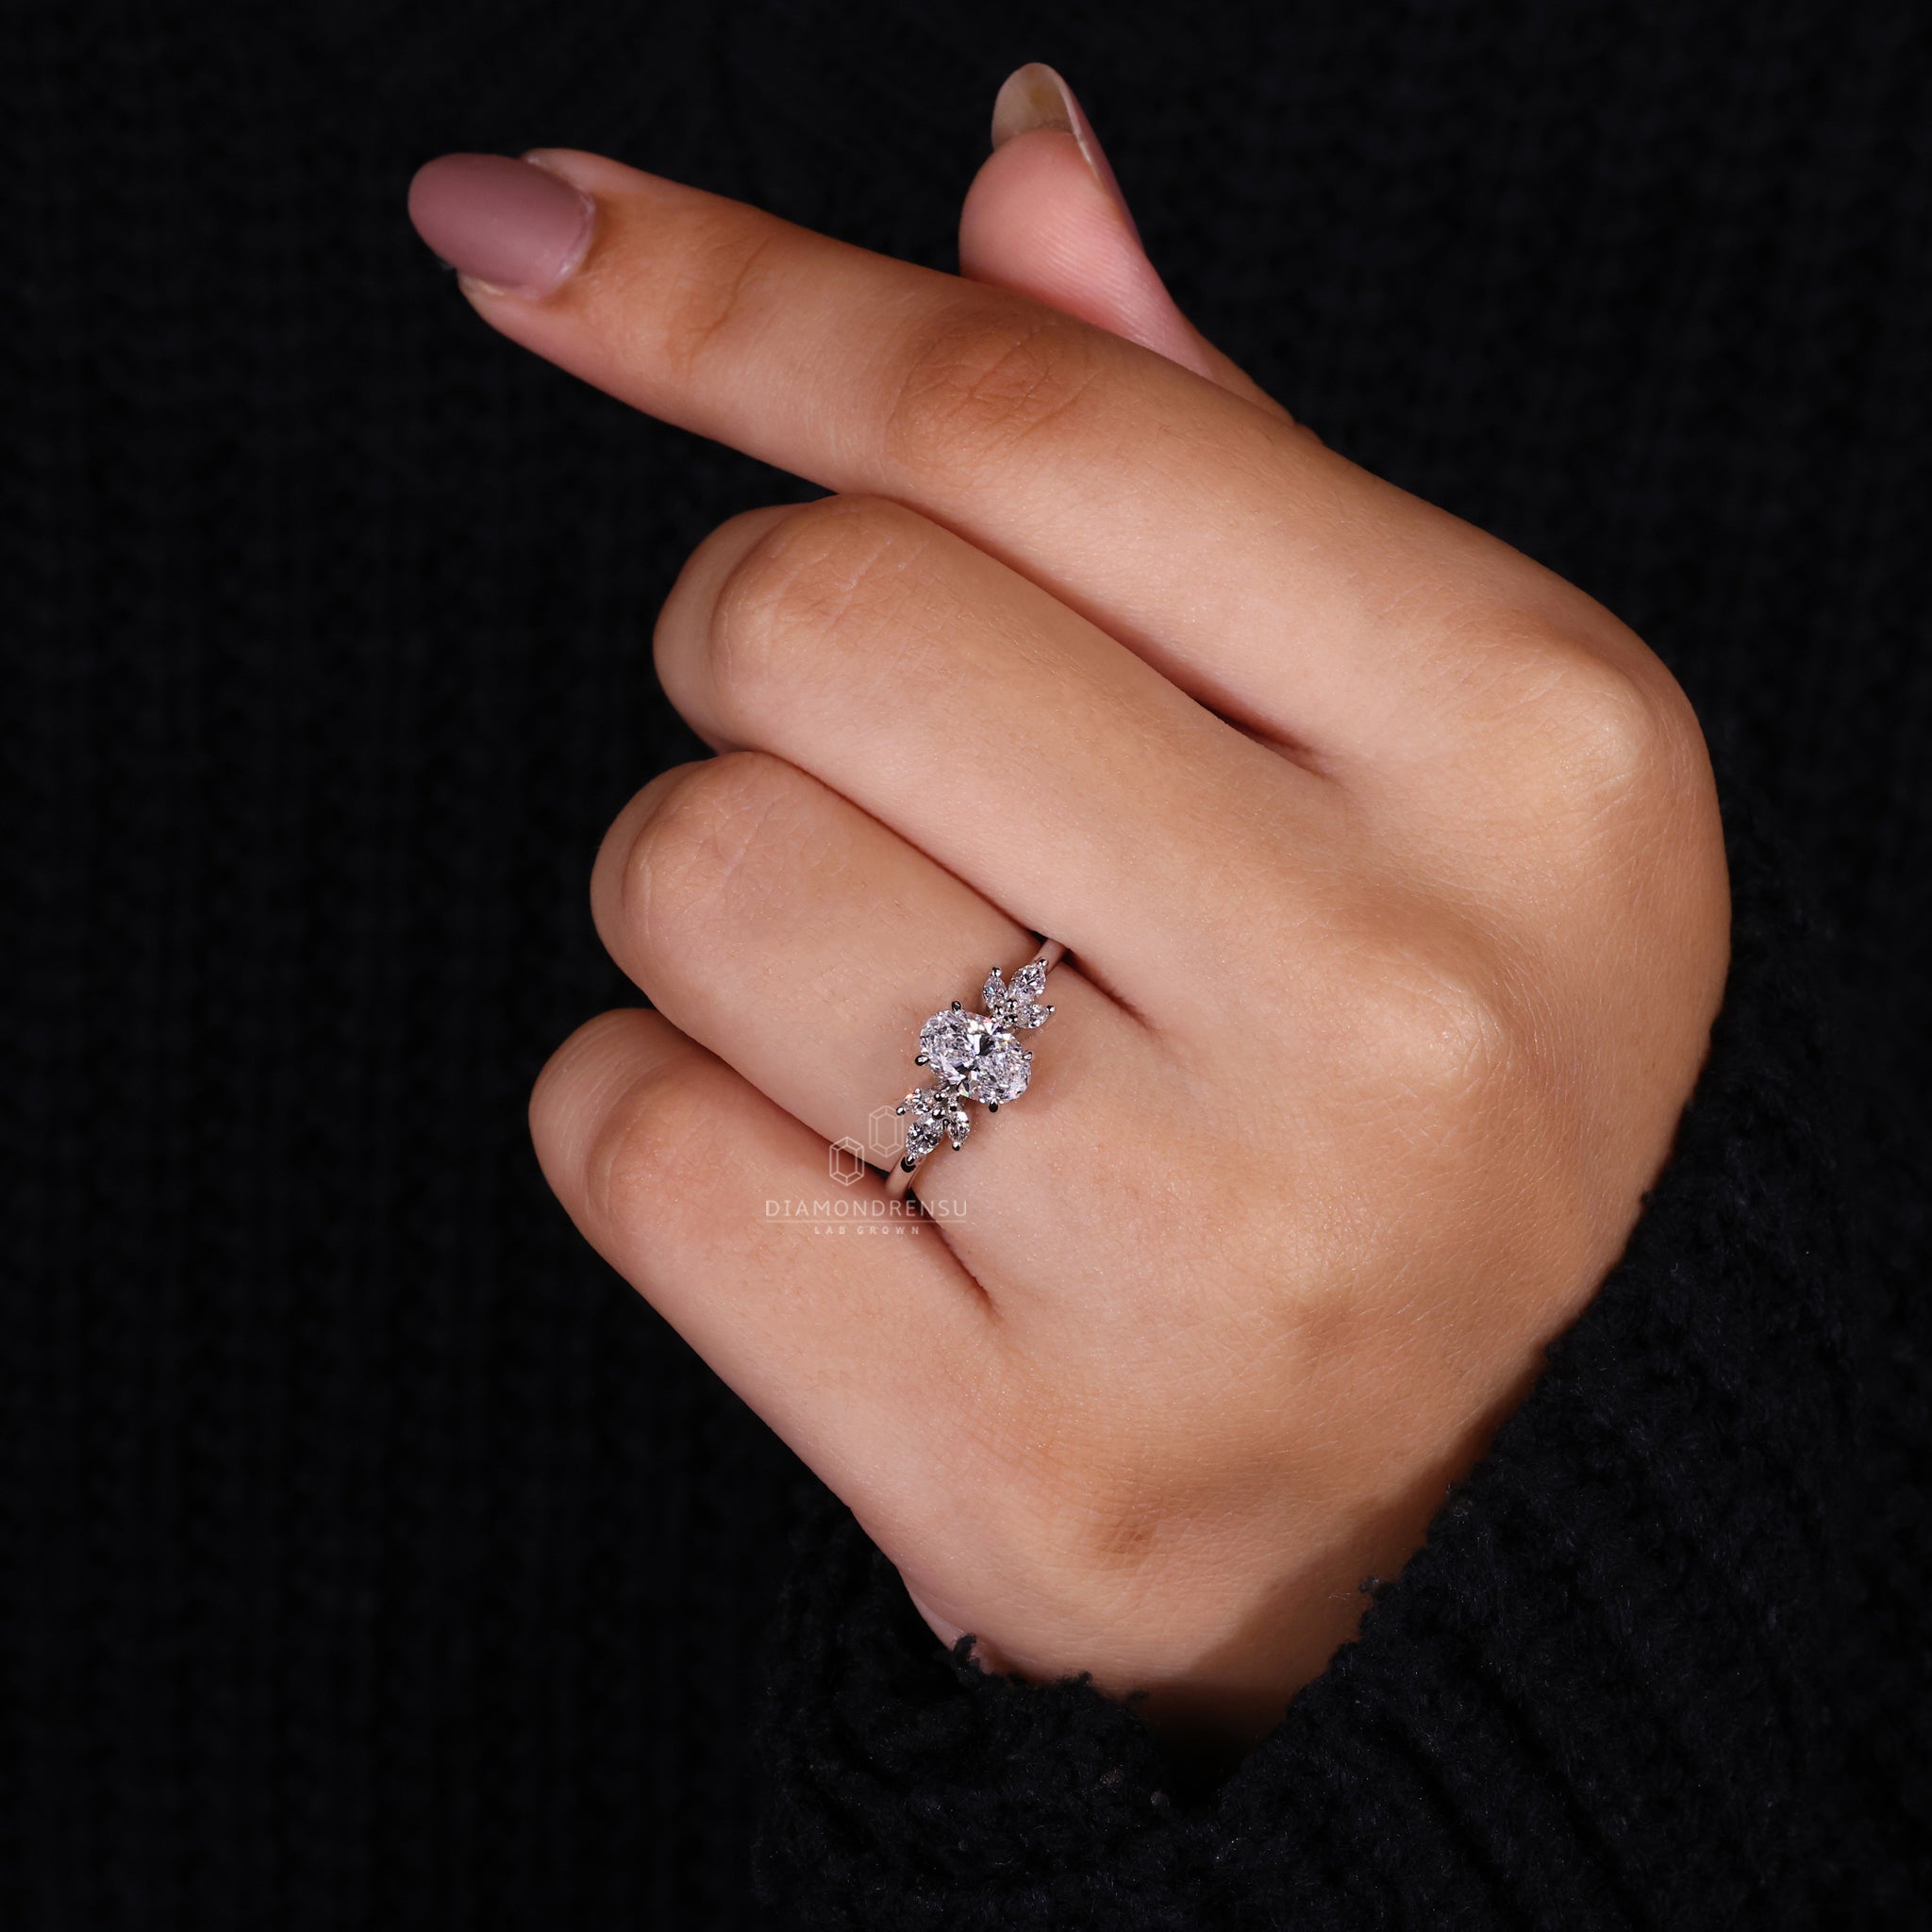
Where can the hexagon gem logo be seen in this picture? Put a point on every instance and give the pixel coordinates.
(886, 1135)
(845, 1161)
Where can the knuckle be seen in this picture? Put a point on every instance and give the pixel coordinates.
(698, 840)
(648, 1155)
(1436, 1029)
(982, 378)
(712, 283)
(1626, 772)
(1612, 729)
(819, 582)
(1593, 746)
(1603, 728)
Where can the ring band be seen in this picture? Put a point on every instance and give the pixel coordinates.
(972, 1057)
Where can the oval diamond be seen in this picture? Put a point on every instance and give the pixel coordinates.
(953, 1044)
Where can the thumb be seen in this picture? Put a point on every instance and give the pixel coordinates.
(1045, 216)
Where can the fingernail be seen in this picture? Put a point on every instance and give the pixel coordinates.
(1035, 96)
(506, 224)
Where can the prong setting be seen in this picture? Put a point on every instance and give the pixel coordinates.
(974, 1056)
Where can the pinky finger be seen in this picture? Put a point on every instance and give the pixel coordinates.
(852, 1330)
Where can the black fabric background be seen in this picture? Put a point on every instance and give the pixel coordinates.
(371, 1554)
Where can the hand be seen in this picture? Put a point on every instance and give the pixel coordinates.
(1389, 865)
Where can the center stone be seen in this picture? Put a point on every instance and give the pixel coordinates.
(970, 1050)
(953, 1043)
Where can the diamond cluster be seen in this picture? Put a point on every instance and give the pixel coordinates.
(974, 1057)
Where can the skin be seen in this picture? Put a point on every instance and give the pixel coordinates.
(1389, 864)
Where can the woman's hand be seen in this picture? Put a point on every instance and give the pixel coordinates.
(1391, 874)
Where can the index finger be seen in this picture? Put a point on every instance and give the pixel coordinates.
(1228, 548)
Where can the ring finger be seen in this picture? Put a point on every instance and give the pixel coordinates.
(804, 943)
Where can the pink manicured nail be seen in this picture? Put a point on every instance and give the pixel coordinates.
(1035, 96)
(508, 224)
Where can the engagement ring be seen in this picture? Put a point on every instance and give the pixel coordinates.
(972, 1057)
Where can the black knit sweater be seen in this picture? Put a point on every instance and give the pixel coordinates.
(369, 1554)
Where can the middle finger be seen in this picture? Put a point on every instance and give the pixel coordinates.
(955, 701)
(1254, 566)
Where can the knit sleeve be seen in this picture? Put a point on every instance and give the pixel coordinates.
(1590, 1700)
